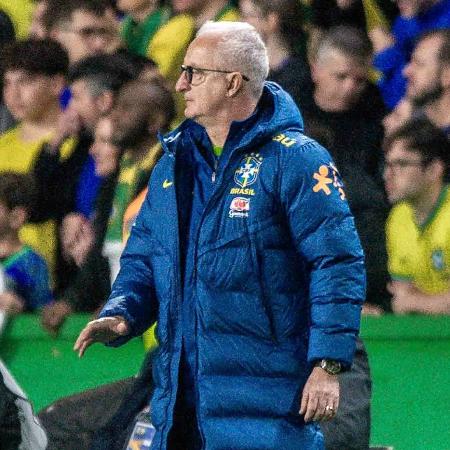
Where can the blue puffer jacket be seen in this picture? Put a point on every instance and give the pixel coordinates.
(278, 279)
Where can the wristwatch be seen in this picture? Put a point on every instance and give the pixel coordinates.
(330, 366)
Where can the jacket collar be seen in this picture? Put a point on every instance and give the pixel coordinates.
(275, 111)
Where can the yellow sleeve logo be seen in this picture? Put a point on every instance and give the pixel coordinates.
(323, 180)
(282, 139)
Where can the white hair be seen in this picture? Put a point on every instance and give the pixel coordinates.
(242, 48)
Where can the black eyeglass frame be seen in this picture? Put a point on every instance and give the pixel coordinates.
(189, 71)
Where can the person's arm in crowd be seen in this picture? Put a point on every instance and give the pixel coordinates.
(407, 298)
(391, 54)
(324, 234)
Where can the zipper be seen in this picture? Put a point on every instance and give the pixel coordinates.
(216, 189)
(213, 176)
(177, 305)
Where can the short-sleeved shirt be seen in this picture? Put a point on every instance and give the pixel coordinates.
(421, 253)
(26, 275)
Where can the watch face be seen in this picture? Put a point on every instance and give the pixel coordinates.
(332, 367)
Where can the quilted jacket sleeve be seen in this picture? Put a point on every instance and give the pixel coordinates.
(324, 234)
(133, 296)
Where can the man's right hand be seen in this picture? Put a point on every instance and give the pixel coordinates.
(102, 330)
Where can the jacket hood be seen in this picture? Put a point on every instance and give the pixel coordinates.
(276, 111)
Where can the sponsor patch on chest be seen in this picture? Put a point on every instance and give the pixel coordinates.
(239, 207)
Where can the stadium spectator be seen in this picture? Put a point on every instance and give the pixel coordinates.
(344, 112)
(66, 189)
(280, 25)
(142, 109)
(77, 243)
(393, 50)
(224, 257)
(428, 77)
(83, 27)
(71, 185)
(82, 240)
(26, 275)
(417, 161)
(33, 80)
(142, 21)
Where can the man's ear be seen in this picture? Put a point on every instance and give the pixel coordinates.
(17, 217)
(235, 82)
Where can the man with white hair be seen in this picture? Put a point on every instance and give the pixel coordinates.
(245, 252)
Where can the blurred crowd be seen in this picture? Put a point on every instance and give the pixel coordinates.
(87, 86)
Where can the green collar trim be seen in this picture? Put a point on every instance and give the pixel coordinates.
(440, 201)
(11, 259)
(225, 10)
(397, 277)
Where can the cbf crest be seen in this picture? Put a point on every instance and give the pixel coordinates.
(248, 170)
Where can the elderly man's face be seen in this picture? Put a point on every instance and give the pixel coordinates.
(206, 93)
(423, 72)
(340, 79)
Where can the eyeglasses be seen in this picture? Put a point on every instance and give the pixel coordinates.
(191, 71)
(401, 164)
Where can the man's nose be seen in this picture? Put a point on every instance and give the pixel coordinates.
(182, 83)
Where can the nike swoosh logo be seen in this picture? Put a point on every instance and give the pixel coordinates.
(167, 184)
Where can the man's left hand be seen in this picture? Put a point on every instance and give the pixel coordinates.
(320, 398)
